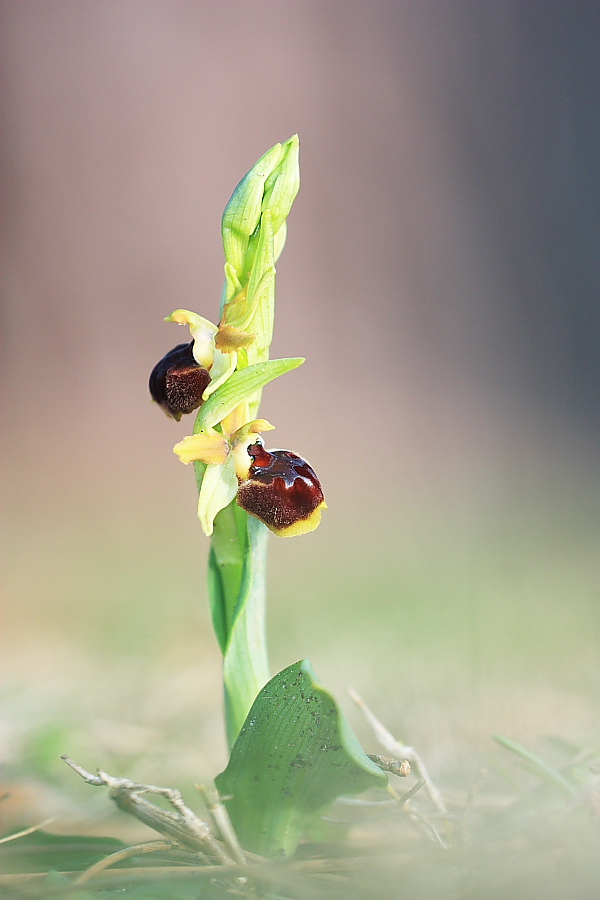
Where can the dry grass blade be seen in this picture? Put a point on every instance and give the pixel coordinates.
(26, 831)
(223, 823)
(120, 855)
(387, 740)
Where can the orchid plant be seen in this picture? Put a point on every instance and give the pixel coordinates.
(289, 741)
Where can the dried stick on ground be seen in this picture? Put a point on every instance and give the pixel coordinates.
(183, 825)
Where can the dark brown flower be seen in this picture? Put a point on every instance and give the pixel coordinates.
(282, 490)
(178, 381)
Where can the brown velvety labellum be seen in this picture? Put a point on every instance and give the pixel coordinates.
(177, 382)
(282, 488)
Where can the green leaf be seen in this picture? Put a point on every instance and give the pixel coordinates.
(237, 591)
(260, 301)
(40, 851)
(283, 183)
(228, 551)
(241, 386)
(295, 754)
(279, 240)
(254, 231)
(254, 312)
(242, 213)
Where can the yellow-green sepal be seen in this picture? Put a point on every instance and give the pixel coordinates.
(208, 447)
(218, 489)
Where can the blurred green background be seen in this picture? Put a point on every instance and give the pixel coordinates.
(441, 277)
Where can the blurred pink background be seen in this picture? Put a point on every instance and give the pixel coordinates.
(441, 276)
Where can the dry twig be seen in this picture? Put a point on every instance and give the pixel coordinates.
(182, 826)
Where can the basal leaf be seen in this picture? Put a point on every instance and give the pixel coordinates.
(295, 754)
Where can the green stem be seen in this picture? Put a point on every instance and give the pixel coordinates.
(245, 661)
(237, 597)
(253, 230)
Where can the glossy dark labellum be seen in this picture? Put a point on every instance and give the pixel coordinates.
(282, 491)
(177, 382)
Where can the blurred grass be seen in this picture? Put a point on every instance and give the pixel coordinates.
(456, 613)
(431, 611)
(520, 832)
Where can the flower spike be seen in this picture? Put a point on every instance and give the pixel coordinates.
(224, 368)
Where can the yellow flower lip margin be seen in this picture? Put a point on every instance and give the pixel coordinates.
(282, 490)
(302, 526)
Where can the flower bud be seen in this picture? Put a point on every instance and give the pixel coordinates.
(282, 490)
(178, 381)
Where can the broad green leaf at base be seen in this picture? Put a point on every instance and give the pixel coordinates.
(294, 755)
